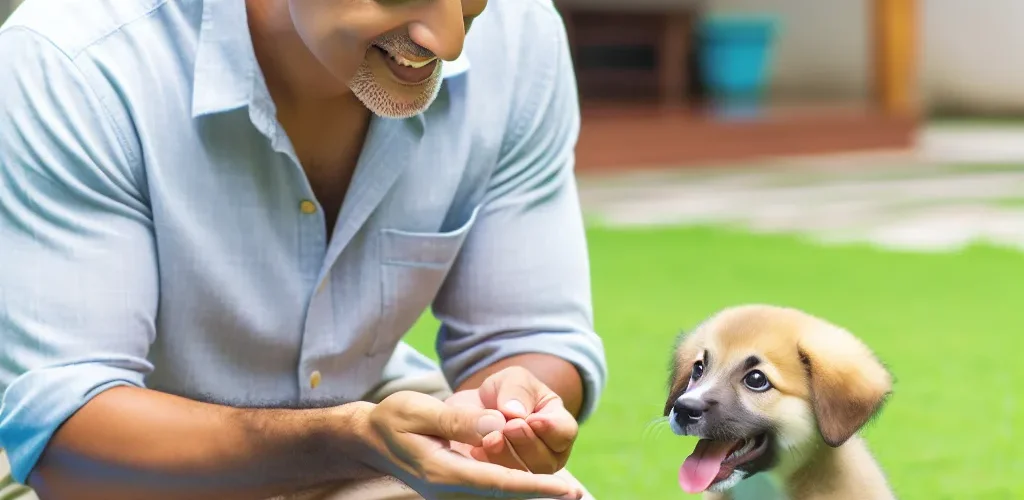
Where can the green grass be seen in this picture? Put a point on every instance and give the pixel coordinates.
(961, 121)
(1011, 203)
(947, 325)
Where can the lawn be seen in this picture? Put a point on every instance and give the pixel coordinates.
(945, 324)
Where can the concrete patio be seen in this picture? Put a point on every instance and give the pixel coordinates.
(961, 185)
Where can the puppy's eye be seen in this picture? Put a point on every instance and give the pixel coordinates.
(697, 371)
(757, 381)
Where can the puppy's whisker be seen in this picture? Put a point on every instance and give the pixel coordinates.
(654, 428)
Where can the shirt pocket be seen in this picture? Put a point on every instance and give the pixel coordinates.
(413, 268)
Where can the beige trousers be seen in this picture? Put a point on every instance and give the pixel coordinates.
(389, 488)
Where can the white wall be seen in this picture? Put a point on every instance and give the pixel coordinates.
(974, 54)
(823, 45)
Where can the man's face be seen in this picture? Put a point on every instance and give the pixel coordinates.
(388, 51)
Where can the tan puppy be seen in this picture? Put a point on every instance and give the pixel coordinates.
(776, 390)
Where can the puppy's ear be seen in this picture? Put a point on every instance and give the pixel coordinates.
(848, 384)
(683, 354)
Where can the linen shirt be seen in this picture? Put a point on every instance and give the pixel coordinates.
(157, 229)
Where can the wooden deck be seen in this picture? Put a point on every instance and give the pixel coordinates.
(629, 136)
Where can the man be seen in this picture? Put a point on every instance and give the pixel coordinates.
(218, 219)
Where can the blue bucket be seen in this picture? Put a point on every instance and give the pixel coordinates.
(735, 58)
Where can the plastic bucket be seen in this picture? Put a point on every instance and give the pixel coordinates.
(735, 59)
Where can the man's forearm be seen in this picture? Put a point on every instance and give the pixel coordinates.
(557, 373)
(136, 443)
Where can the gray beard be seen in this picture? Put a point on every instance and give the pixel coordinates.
(382, 103)
(377, 99)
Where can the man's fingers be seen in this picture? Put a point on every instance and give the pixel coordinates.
(466, 425)
(412, 423)
(496, 450)
(555, 426)
(516, 398)
(490, 480)
(514, 391)
(428, 416)
(531, 449)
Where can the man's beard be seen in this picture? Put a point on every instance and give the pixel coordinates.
(378, 97)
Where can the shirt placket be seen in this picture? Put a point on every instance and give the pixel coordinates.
(319, 314)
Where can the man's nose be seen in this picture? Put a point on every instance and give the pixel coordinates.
(441, 29)
(689, 410)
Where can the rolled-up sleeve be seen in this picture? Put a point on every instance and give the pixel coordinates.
(78, 279)
(521, 283)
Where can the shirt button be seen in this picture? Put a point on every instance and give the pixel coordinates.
(314, 379)
(307, 207)
(323, 284)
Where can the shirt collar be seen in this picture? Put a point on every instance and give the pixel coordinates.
(225, 68)
(226, 72)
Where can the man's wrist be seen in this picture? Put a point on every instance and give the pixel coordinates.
(329, 445)
(357, 437)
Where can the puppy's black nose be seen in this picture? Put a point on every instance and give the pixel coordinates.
(689, 410)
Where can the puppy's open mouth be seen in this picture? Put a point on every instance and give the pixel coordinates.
(713, 461)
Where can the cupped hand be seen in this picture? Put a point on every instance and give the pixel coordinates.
(410, 436)
(539, 432)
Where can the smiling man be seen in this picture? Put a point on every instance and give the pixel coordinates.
(219, 218)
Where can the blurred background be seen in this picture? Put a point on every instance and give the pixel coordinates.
(862, 160)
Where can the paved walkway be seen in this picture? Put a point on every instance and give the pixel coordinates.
(961, 186)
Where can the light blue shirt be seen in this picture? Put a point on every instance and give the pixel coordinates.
(156, 231)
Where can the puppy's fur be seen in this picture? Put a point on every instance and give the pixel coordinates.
(797, 419)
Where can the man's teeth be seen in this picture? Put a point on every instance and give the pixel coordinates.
(747, 446)
(412, 64)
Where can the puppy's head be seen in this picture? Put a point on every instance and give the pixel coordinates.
(758, 384)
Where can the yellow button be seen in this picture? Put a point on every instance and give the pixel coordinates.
(314, 379)
(307, 207)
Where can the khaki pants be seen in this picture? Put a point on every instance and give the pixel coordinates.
(387, 488)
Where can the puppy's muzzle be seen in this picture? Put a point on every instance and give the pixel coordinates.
(689, 411)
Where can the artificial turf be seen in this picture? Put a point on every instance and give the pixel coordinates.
(947, 325)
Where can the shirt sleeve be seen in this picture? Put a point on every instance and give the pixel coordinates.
(78, 279)
(521, 283)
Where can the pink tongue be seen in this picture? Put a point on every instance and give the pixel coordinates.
(702, 466)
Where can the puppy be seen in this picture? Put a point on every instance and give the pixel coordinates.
(776, 390)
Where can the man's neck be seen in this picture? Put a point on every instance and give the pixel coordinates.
(294, 76)
(326, 123)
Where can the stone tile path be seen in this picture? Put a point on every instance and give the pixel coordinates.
(961, 186)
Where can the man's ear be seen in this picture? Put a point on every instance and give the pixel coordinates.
(683, 354)
(848, 384)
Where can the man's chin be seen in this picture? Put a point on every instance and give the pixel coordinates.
(389, 99)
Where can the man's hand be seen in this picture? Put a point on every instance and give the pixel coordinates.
(539, 429)
(411, 437)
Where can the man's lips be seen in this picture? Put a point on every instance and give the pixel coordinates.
(407, 70)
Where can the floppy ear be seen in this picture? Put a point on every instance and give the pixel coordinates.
(683, 355)
(848, 384)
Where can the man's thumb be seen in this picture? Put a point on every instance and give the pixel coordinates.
(515, 391)
(516, 398)
(467, 425)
